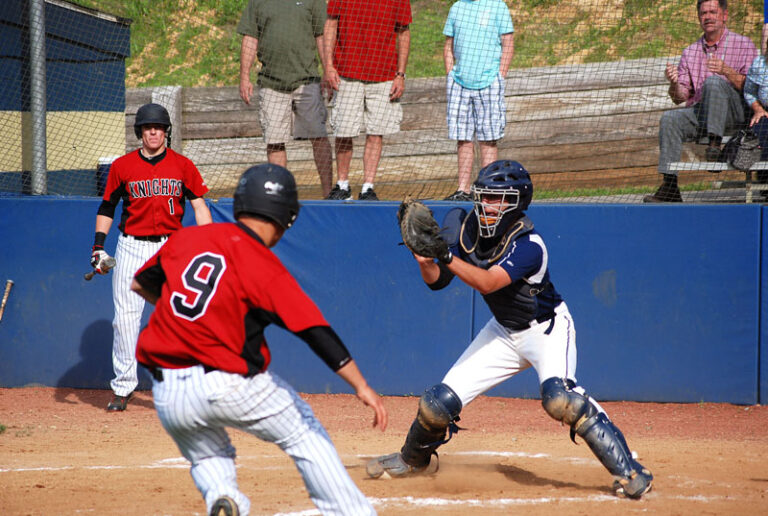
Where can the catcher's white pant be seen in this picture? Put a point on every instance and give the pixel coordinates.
(195, 407)
(498, 353)
(130, 255)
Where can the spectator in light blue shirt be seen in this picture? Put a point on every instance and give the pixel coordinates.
(756, 95)
(479, 45)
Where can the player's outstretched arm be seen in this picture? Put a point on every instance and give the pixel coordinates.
(202, 213)
(352, 375)
(143, 292)
(482, 280)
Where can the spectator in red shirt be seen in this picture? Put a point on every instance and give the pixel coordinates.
(366, 45)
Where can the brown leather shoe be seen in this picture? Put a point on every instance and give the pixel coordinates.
(118, 403)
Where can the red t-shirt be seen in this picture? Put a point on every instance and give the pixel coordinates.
(220, 287)
(153, 194)
(365, 39)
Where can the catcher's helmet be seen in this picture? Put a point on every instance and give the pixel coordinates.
(511, 186)
(269, 191)
(152, 114)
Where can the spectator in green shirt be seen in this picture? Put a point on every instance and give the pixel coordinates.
(287, 38)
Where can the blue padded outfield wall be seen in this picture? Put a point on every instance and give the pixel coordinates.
(668, 300)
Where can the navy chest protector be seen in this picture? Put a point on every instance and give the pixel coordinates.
(515, 305)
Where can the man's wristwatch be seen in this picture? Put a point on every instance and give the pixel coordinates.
(400, 74)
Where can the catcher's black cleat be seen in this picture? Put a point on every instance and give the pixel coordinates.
(638, 483)
(118, 403)
(224, 506)
(393, 466)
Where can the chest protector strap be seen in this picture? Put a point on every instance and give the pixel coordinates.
(470, 237)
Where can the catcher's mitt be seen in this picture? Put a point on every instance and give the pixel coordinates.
(420, 231)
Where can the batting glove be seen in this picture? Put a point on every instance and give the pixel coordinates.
(98, 257)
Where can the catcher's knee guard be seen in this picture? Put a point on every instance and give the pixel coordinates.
(563, 404)
(605, 440)
(439, 409)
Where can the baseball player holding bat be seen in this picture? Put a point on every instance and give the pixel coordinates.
(215, 289)
(497, 251)
(153, 182)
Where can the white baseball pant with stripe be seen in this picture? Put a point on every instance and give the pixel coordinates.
(195, 407)
(130, 255)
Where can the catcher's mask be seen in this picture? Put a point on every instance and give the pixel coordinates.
(268, 191)
(503, 187)
(152, 114)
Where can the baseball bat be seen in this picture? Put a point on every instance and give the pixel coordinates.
(108, 264)
(8, 286)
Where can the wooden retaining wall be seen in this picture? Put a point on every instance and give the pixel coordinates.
(590, 119)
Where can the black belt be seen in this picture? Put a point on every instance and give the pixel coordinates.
(148, 238)
(541, 319)
(157, 373)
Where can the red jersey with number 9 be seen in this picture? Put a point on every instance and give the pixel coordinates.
(153, 192)
(219, 287)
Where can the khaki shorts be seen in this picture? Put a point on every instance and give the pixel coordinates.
(297, 115)
(360, 103)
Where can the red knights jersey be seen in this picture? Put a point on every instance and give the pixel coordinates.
(219, 287)
(153, 194)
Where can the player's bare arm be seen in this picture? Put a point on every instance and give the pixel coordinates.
(202, 213)
(143, 292)
(103, 224)
(248, 49)
(429, 269)
(482, 280)
(352, 375)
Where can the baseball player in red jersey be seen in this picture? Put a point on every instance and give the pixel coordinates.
(153, 183)
(215, 289)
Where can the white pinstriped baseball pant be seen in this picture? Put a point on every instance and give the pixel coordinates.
(130, 255)
(195, 407)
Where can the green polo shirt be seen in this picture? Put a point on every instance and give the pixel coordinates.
(286, 30)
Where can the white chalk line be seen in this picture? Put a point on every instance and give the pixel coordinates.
(398, 502)
(180, 462)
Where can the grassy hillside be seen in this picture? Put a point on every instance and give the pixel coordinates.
(194, 42)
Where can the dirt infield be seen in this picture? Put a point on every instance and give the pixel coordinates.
(61, 453)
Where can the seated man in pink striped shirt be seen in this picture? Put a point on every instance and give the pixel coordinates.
(709, 79)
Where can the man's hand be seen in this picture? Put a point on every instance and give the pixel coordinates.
(398, 88)
(717, 65)
(246, 90)
(331, 78)
(373, 400)
(757, 113)
(671, 73)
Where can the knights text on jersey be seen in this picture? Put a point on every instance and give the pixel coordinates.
(153, 194)
(220, 287)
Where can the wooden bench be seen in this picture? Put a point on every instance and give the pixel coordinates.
(747, 184)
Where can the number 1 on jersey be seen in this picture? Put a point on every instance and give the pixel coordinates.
(170, 205)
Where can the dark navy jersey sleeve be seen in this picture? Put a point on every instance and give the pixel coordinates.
(526, 259)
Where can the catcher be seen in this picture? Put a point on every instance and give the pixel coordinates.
(497, 251)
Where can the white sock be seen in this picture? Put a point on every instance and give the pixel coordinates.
(366, 187)
(344, 185)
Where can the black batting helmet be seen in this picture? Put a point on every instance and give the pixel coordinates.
(152, 114)
(269, 191)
